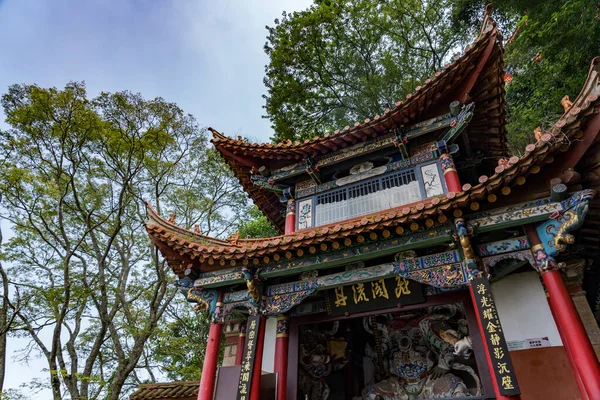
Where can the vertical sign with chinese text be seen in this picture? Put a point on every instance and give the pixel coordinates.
(375, 295)
(247, 366)
(494, 337)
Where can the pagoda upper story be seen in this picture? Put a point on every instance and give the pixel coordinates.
(453, 125)
(400, 177)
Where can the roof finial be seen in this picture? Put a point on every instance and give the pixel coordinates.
(172, 218)
(488, 22)
(234, 239)
(566, 103)
(537, 132)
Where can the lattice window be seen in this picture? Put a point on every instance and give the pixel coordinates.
(366, 197)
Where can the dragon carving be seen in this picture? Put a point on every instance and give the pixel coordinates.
(202, 306)
(252, 283)
(573, 221)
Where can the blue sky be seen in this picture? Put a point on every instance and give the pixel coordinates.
(206, 56)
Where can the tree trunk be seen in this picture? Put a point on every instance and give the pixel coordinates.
(3, 321)
(3, 324)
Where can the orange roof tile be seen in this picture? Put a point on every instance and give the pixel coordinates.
(166, 391)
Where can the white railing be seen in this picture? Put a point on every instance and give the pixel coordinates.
(341, 207)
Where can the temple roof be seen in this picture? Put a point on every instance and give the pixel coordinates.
(183, 248)
(476, 76)
(167, 391)
(556, 149)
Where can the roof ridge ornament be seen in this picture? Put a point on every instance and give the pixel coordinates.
(488, 21)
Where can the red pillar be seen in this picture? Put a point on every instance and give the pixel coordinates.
(239, 352)
(450, 173)
(211, 357)
(569, 356)
(290, 217)
(575, 339)
(583, 355)
(257, 372)
(281, 355)
(488, 356)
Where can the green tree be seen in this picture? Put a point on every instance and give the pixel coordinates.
(343, 61)
(549, 56)
(179, 344)
(256, 225)
(92, 288)
(8, 313)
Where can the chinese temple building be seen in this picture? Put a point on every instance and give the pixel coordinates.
(417, 259)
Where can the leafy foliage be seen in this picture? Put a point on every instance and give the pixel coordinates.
(565, 36)
(256, 225)
(343, 61)
(549, 55)
(92, 287)
(179, 343)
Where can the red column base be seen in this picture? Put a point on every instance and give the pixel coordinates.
(281, 364)
(257, 372)
(575, 336)
(452, 181)
(209, 369)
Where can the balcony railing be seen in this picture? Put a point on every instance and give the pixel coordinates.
(367, 197)
(392, 189)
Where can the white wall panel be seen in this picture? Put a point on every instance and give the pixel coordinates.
(268, 360)
(523, 308)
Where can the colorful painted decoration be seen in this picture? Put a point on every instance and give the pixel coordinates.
(420, 355)
(513, 214)
(503, 246)
(555, 232)
(304, 214)
(523, 255)
(431, 180)
(443, 276)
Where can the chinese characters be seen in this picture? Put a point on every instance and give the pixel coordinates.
(378, 294)
(248, 359)
(494, 337)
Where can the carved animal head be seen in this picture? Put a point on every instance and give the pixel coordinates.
(253, 289)
(574, 220)
(462, 346)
